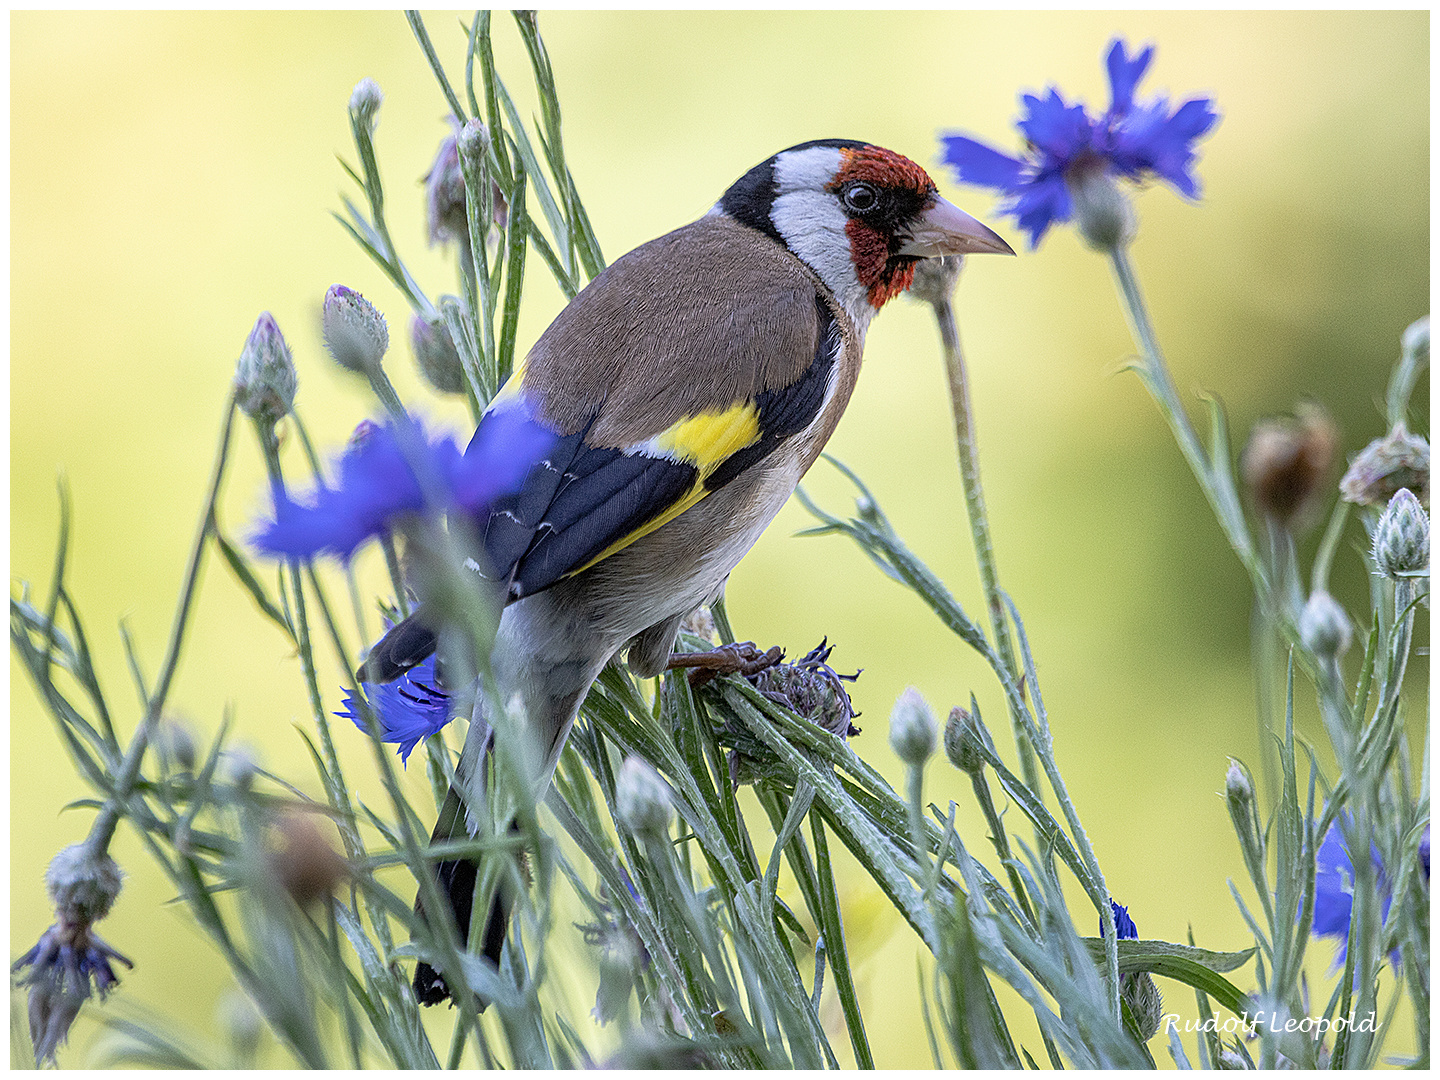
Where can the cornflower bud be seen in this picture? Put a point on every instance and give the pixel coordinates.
(239, 769)
(642, 799)
(304, 864)
(1285, 462)
(178, 744)
(912, 728)
(1402, 538)
(1238, 788)
(445, 195)
(935, 279)
(1324, 626)
(1103, 213)
(436, 355)
(1137, 988)
(472, 144)
(962, 742)
(265, 374)
(243, 1023)
(365, 102)
(355, 332)
(1399, 460)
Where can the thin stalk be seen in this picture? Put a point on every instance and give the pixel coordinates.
(968, 449)
(101, 832)
(1155, 374)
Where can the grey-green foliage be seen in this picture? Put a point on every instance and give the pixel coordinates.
(699, 951)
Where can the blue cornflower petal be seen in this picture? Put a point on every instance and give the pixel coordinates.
(1064, 142)
(1062, 132)
(1335, 891)
(377, 483)
(976, 163)
(1151, 139)
(1124, 925)
(502, 450)
(1041, 204)
(411, 708)
(1125, 74)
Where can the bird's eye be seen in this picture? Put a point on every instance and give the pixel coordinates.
(859, 197)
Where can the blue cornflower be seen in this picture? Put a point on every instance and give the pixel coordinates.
(377, 483)
(411, 708)
(1064, 146)
(1124, 925)
(1335, 891)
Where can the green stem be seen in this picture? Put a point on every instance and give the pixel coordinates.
(1156, 376)
(969, 452)
(103, 830)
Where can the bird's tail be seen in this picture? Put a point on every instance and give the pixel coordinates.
(457, 879)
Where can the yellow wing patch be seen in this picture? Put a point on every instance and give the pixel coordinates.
(708, 439)
(704, 441)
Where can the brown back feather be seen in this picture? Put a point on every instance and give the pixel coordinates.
(699, 319)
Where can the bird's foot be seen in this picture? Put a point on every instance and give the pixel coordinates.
(741, 657)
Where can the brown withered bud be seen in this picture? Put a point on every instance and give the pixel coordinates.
(1399, 460)
(303, 862)
(1286, 462)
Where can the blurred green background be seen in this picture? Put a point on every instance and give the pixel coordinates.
(171, 177)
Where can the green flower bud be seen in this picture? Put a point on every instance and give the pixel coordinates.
(177, 744)
(265, 374)
(355, 331)
(1238, 788)
(473, 143)
(1324, 626)
(436, 355)
(1402, 538)
(1139, 992)
(962, 742)
(912, 728)
(642, 799)
(365, 102)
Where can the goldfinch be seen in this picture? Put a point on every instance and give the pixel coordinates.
(690, 385)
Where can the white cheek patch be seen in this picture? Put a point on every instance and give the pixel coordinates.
(812, 225)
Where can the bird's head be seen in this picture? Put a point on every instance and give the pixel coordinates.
(859, 215)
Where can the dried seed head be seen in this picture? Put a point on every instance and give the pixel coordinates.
(1402, 538)
(1285, 464)
(1399, 460)
(445, 195)
(355, 331)
(303, 862)
(82, 884)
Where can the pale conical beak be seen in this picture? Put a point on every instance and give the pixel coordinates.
(945, 229)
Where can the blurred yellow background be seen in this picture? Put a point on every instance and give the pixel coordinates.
(172, 176)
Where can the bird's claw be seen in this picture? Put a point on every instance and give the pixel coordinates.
(737, 658)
